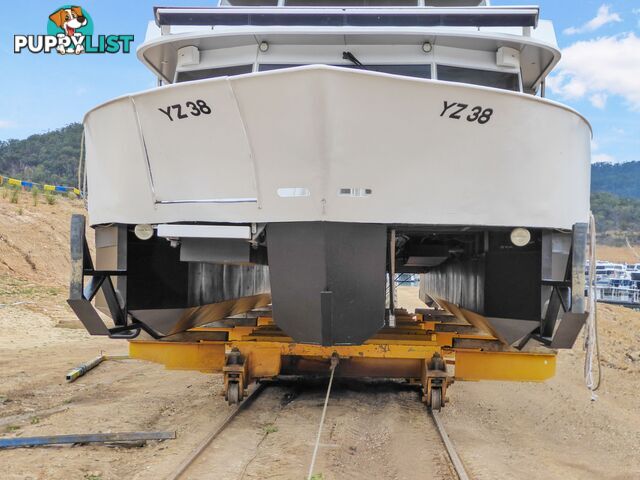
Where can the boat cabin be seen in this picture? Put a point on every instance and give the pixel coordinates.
(463, 41)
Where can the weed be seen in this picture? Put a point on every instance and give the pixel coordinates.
(13, 428)
(35, 194)
(35, 421)
(14, 196)
(50, 198)
(20, 212)
(51, 290)
(270, 428)
(317, 476)
(92, 476)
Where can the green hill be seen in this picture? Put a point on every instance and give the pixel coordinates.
(622, 179)
(50, 157)
(616, 218)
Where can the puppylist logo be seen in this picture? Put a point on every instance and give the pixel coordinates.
(70, 31)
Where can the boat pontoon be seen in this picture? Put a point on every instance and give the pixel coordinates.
(302, 154)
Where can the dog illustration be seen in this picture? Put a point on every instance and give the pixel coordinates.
(69, 20)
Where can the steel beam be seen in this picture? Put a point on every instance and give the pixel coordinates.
(513, 366)
(394, 353)
(205, 357)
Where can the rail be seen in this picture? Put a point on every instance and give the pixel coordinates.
(180, 472)
(187, 462)
(457, 464)
(618, 295)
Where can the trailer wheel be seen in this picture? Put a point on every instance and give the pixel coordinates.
(233, 393)
(436, 399)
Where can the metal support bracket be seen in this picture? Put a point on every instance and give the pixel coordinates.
(80, 296)
(561, 331)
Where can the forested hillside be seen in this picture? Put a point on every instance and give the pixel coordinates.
(621, 179)
(52, 157)
(616, 217)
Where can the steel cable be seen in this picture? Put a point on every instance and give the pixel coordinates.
(334, 363)
(591, 343)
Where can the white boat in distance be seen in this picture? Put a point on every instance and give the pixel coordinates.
(332, 145)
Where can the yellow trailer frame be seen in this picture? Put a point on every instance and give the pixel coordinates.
(420, 349)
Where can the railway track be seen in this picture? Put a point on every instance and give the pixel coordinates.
(454, 469)
(195, 454)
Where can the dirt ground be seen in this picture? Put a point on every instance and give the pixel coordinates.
(373, 429)
(618, 254)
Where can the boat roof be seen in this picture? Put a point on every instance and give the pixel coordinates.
(485, 16)
(478, 28)
(354, 3)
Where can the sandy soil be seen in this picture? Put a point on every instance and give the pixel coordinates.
(373, 430)
(34, 239)
(619, 254)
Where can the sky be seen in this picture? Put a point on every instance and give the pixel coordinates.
(599, 74)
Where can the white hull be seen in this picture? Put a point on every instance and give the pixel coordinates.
(324, 129)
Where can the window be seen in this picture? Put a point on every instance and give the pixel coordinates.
(453, 3)
(213, 72)
(418, 70)
(487, 78)
(249, 3)
(265, 67)
(351, 3)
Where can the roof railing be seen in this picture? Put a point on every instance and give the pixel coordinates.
(518, 16)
